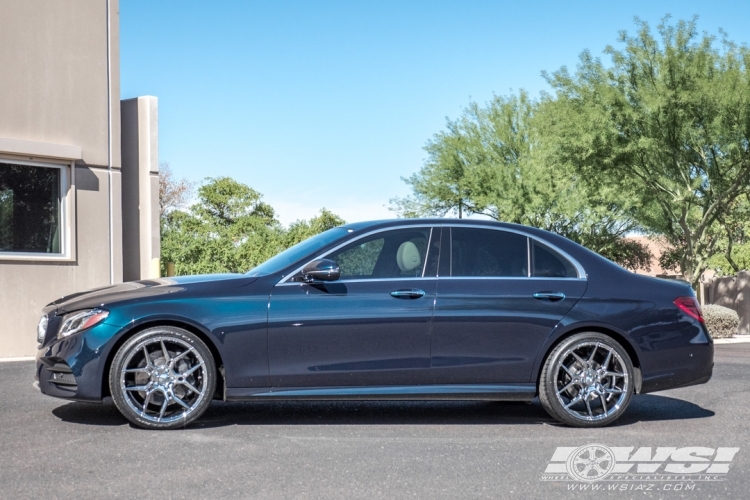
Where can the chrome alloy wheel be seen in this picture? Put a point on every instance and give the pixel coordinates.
(163, 379)
(591, 381)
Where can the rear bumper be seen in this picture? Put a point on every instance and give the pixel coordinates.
(690, 365)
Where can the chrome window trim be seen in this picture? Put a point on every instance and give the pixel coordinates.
(373, 280)
(364, 235)
(525, 278)
(579, 268)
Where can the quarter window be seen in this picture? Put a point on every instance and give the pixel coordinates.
(488, 252)
(32, 208)
(546, 263)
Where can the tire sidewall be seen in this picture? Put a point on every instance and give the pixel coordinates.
(118, 397)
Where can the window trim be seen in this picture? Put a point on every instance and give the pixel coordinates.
(67, 210)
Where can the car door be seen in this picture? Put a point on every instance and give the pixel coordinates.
(371, 327)
(499, 295)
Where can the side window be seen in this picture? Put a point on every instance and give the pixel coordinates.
(488, 252)
(359, 260)
(399, 253)
(546, 263)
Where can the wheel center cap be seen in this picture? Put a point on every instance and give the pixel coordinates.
(163, 379)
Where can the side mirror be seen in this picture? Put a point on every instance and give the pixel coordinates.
(321, 270)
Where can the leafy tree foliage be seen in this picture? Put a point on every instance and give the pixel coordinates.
(492, 161)
(668, 121)
(230, 229)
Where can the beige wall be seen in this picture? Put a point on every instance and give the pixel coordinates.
(56, 87)
(140, 188)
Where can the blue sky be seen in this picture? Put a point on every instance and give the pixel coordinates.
(329, 103)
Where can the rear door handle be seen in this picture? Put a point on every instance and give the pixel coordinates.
(549, 295)
(407, 294)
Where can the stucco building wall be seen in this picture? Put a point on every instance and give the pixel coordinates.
(60, 103)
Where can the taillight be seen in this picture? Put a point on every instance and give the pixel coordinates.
(690, 306)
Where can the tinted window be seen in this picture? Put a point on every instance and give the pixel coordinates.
(399, 253)
(29, 209)
(546, 263)
(488, 252)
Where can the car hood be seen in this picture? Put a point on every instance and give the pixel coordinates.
(146, 289)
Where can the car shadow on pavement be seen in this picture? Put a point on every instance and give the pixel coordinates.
(654, 407)
(643, 408)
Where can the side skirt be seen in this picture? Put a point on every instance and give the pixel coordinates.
(506, 392)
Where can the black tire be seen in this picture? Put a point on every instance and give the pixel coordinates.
(178, 378)
(570, 378)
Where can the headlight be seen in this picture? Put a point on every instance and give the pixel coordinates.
(80, 320)
(41, 329)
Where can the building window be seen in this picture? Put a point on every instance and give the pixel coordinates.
(32, 209)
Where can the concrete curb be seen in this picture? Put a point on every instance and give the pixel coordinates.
(737, 339)
(5, 360)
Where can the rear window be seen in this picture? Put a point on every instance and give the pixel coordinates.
(488, 252)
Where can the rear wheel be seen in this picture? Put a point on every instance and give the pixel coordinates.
(587, 381)
(162, 378)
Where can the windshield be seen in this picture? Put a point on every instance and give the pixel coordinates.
(281, 261)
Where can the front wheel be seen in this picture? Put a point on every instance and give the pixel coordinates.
(587, 381)
(164, 377)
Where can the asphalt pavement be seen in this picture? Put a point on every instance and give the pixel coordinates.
(50, 448)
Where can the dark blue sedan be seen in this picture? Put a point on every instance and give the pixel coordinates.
(390, 310)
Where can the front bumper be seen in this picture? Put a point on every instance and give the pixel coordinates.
(74, 367)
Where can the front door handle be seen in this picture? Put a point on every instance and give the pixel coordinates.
(407, 294)
(549, 295)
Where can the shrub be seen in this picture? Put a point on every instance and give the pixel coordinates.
(721, 322)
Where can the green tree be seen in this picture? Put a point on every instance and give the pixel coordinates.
(230, 229)
(668, 120)
(493, 161)
(302, 229)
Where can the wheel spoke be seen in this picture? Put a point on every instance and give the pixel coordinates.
(164, 407)
(588, 407)
(614, 374)
(181, 355)
(189, 386)
(566, 387)
(580, 359)
(139, 388)
(573, 401)
(137, 370)
(147, 400)
(614, 390)
(164, 350)
(147, 356)
(604, 403)
(593, 351)
(192, 369)
(180, 402)
(607, 359)
(567, 370)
